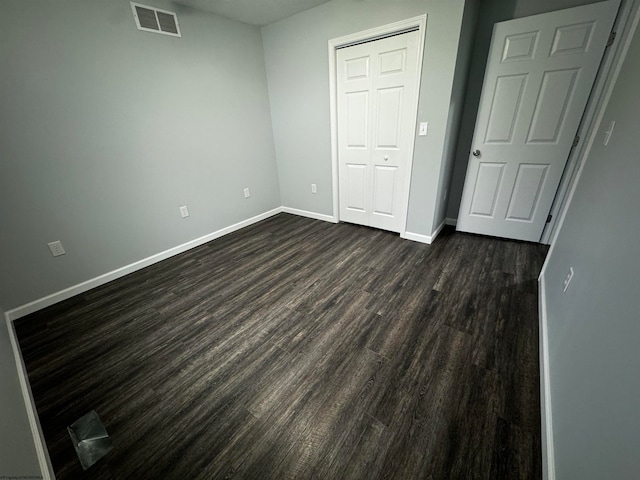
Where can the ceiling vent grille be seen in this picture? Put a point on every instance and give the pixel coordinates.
(152, 19)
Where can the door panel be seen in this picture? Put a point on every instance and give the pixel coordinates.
(551, 105)
(504, 108)
(357, 180)
(485, 193)
(357, 119)
(376, 83)
(526, 193)
(538, 79)
(383, 189)
(572, 38)
(389, 112)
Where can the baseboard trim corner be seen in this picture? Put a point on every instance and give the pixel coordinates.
(314, 215)
(451, 221)
(44, 461)
(87, 285)
(418, 237)
(548, 462)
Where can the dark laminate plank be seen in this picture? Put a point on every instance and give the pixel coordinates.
(296, 349)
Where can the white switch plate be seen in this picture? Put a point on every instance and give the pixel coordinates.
(567, 280)
(56, 248)
(424, 127)
(184, 211)
(608, 133)
(314, 188)
(247, 193)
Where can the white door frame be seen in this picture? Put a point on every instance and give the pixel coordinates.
(419, 22)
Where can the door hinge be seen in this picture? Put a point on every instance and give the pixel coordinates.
(576, 141)
(549, 217)
(612, 38)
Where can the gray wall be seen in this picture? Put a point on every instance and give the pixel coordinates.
(106, 130)
(456, 107)
(297, 62)
(17, 453)
(594, 328)
(491, 12)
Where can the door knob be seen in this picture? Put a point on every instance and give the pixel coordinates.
(386, 158)
(476, 153)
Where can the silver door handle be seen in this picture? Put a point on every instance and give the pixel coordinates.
(476, 153)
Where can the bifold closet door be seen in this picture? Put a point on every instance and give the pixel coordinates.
(376, 88)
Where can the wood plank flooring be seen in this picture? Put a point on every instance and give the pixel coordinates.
(298, 349)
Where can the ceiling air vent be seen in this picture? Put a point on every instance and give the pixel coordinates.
(152, 19)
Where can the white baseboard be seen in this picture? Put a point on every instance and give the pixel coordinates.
(44, 461)
(418, 237)
(305, 213)
(56, 297)
(548, 463)
(451, 221)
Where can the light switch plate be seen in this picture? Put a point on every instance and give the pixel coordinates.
(184, 211)
(247, 193)
(424, 127)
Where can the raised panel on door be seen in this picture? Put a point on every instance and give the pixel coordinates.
(538, 79)
(384, 185)
(505, 106)
(389, 115)
(552, 103)
(356, 181)
(486, 189)
(357, 110)
(526, 192)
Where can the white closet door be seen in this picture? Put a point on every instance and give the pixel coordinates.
(376, 93)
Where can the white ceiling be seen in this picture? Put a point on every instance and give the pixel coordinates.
(254, 12)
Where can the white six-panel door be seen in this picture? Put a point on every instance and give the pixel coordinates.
(376, 85)
(539, 75)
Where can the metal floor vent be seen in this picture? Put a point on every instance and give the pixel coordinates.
(151, 19)
(90, 439)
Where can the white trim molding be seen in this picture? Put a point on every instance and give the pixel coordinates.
(451, 221)
(85, 286)
(419, 22)
(314, 215)
(44, 461)
(418, 237)
(548, 463)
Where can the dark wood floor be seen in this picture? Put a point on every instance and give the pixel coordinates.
(300, 349)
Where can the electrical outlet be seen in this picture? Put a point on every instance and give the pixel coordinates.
(567, 280)
(184, 211)
(314, 188)
(56, 248)
(247, 193)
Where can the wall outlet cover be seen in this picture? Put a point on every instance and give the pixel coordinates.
(56, 248)
(184, 211)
